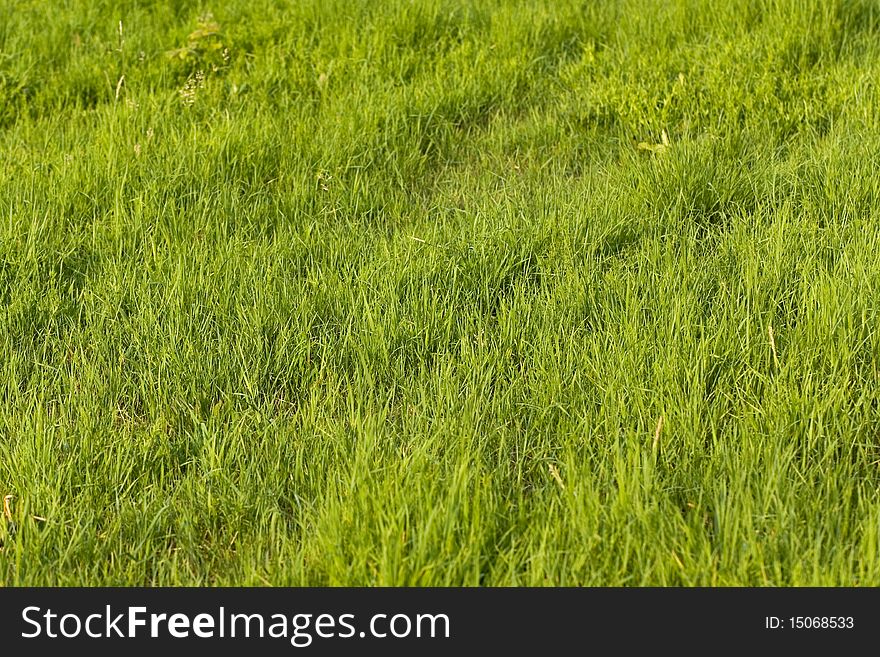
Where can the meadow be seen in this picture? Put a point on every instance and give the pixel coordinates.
(438, 292)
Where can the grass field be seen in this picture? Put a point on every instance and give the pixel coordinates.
(435, 292)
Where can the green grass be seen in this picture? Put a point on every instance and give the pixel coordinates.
(399, 292)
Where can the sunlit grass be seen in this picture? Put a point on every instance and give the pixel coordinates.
(440, 292)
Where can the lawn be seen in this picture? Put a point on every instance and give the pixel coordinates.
(437, 292)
